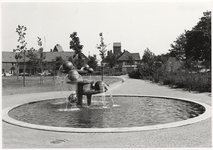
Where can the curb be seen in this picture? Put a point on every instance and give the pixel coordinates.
(6, 118)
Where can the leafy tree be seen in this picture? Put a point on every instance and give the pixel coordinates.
(148, 57)
(204, 24)
(93, 63)
(77, 47)
(41, 54)
(22, 47)
(17, 57)
(198, 46)
(195, 45)
(58, 62)
(178, 47)
(12, 69)
(72, 60)
(21, 32)
(33, 59)
(162, 58)
(102, 47)
(111, 59)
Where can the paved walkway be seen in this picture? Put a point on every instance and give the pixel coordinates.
(193, 135)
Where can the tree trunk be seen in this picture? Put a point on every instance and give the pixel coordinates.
(17, 71)
(24, 70)
(41, 77)
(102, 72)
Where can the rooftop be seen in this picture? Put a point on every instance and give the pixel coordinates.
(117, 44)
(125, 55)
(50, 56)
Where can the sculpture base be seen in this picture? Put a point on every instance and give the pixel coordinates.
(87, 88)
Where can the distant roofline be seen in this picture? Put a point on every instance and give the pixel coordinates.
(117, 44)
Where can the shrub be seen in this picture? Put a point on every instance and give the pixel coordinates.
(186, 79)
(135, 74)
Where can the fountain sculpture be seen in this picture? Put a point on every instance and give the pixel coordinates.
(84, 87)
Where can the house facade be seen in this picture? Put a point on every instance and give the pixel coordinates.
(9, 63)
(128, 61)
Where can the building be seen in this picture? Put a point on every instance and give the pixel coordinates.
(116, 49)
(57, 48)
(128, 61)
(9, 63)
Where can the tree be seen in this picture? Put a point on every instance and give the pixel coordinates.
(148, 63)
(102, 50)
(77, 47)
(22, 47)
(178, 48)
(204, 24)
(17, 57)
(33, 59)
(195, 45)
(41, 54)
(198, 45)
(111, 59)
(12, 69)
(162, 58)
(148, 57)
(58, 62)
(93, 63)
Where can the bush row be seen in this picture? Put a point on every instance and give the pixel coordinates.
(192, 81)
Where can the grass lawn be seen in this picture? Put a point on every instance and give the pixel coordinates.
(10, 85)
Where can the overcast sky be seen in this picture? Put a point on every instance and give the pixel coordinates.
(137, 25)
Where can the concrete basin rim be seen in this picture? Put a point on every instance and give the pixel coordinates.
(207, 114)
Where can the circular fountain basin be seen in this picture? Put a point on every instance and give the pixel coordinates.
(127, 113)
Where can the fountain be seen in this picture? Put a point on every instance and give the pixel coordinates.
(126, 112)
(84, 87)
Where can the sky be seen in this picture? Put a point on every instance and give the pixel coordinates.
(137, 25)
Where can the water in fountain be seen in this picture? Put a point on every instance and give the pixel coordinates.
(104, 102)
(133, 111)
(111, 102)
(61, 85)
(74, 97)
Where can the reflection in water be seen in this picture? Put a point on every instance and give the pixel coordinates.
(87, 118)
